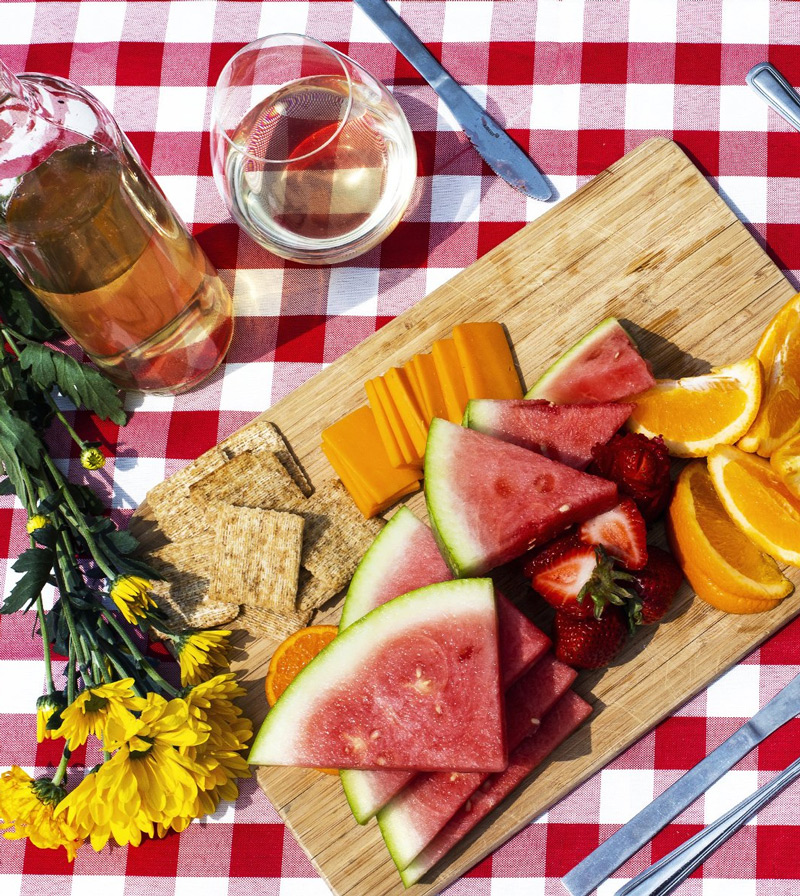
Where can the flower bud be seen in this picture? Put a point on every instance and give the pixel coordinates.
(36, 522)
(92, 458)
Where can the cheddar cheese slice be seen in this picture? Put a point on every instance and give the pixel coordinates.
(486, 359)
(405, 401)
(380, 400)
(356, 451)
(451, 378)
(429, 386)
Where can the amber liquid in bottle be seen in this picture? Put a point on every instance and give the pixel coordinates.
(106, 255)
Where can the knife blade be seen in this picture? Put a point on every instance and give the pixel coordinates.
(631, 837)
(494, 145)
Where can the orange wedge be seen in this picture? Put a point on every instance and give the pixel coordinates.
(712, 594)
(713, 551)
(757, 501)
(294, 654)
(779, 353)
(696, 413)
(786, 463)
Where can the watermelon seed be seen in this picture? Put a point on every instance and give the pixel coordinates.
(565, 508)
(375, 735)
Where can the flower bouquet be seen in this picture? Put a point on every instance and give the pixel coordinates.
(170, 752)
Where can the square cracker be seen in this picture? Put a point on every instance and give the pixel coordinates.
(250, 479)
(336, 535)
(312, 592)
(260, 435)
(257, 559)
(183, 593)
(170, 502)
(269, 624)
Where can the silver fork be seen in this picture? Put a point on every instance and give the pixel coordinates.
(674, 868)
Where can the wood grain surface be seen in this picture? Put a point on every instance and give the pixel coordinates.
(650, 242)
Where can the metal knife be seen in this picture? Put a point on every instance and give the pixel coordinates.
(774, 89)
(499, 151)
(631, 837)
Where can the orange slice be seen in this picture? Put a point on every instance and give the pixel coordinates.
(712, 594)
(294, 654)
(696, 413)
(786, 463)
(779, 353)
(713, 550)
(757, 501)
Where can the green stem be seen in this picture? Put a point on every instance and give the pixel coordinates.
(61, 771)
(146, 665)
(48, 668)
(97, 554)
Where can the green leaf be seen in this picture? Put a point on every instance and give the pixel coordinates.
(121, 541)
(22, 310)
(19, 438)
(83, 385)
(7, 486)
(35, 564)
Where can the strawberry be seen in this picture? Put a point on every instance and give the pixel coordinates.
(622, 531)
(655, 585)
(640, 468)
(576, 578)
(589, 643)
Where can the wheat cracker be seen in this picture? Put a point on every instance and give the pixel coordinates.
(268, 623)
(336, 534)
(259, 435)
(251, 479)
(257, 559)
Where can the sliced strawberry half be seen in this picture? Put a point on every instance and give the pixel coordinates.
(622, 531)
(578, 579)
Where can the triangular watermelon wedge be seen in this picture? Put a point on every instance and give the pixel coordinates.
(604, 365)
(490, 501)
(414, 684)
(404, 556)
(563, 432)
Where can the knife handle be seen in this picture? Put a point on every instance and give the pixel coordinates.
(775, 90)
(414, 50)
(668, 873)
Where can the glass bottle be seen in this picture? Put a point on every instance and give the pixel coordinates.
(86, 227)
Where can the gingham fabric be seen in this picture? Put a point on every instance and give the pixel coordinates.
(578, 84)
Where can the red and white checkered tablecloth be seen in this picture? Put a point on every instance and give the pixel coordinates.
(578, 82)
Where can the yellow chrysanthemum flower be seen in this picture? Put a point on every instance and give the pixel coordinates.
(27, 809)
(131, 594)
(218, 758)
(200, 654)
(93, 709)
(36, 522)
(148, 782)
(46, 707)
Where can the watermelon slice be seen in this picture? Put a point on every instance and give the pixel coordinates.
(490, 501)
(404, 556)
(603, 366)
(414, 684)
(556, 726)
(416, 815)
(563, 432)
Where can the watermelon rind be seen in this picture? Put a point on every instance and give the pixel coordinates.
(284, 737)
(460, 548)
(558, 379)
(385, 549)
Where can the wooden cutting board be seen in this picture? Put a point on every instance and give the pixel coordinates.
(650, 242)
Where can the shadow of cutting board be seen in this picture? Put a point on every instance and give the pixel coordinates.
(650, 242)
